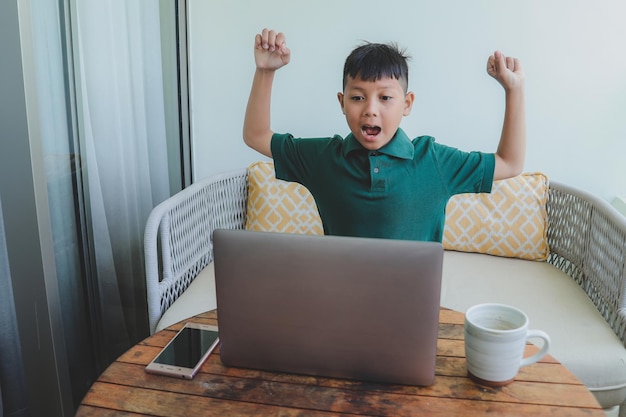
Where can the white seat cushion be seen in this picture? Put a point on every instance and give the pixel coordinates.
(580, 338)
(197, 298)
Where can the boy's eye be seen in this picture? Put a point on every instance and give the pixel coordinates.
(385, 98)
(357, 98)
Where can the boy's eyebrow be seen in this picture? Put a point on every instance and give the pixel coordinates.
(382, 85)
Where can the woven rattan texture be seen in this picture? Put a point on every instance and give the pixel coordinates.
(589, 245)
(219, 205)
(186, 233)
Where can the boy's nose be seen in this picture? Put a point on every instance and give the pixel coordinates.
(371, 109)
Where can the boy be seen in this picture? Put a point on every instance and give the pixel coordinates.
(377, 182)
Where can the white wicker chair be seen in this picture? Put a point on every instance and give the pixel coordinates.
(586, 236)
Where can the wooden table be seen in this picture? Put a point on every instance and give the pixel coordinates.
(125, 389)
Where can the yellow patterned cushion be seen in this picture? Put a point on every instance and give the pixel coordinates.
(511, 221)
(279, 206)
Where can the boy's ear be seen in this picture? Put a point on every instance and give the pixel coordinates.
(340, 98)
(409, 98)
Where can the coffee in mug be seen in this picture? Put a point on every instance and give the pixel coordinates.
(495, 338)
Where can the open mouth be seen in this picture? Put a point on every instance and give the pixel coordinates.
(371, 131)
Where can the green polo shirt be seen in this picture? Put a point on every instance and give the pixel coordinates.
(399, 191)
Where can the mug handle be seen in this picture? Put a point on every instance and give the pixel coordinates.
(544, 349)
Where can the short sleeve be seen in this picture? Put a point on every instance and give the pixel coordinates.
(465, 172)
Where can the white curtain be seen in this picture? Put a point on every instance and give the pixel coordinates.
(13, 396)
(121, 112)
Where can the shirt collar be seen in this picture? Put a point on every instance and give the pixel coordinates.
(399, 146)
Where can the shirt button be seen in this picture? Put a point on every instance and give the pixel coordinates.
(376, 170)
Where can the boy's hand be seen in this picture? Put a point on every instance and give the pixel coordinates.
(507, 70)
(270, 50)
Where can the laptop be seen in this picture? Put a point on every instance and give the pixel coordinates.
(345, 307)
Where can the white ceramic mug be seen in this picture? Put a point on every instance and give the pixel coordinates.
(495, 338)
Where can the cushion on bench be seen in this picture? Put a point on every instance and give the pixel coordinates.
(511, 221)
(279, 206)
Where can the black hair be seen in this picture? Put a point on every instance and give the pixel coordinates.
(373, 61)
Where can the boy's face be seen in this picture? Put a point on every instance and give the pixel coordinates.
(374, 109)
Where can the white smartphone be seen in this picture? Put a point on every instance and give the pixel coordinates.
(183, 356)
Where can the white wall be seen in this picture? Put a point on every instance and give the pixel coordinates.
(573, 53)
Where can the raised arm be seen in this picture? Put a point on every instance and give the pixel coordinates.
(511, 151)
(270, 54)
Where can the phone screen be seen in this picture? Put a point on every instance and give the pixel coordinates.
(187, 348)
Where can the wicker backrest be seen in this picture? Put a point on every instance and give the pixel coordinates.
(179, 232)
(587, 239)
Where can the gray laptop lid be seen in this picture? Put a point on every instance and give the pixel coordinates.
(357, 308)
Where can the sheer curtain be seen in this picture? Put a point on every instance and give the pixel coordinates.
(123, 137)
(13, 398)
